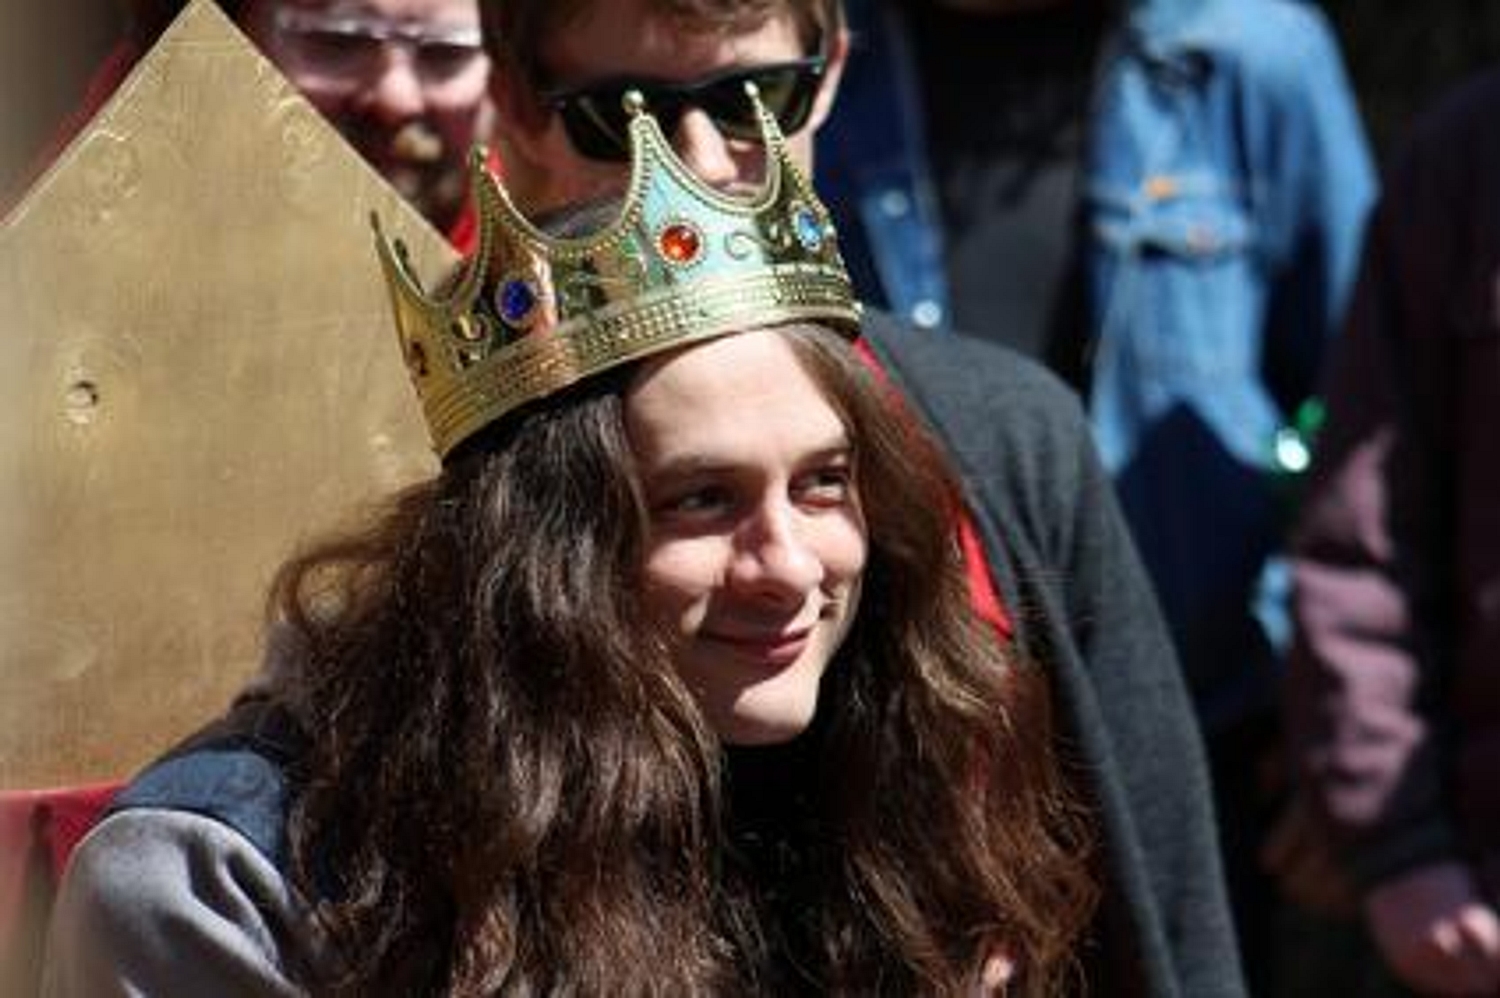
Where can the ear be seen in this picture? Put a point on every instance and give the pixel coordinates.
(838, 53)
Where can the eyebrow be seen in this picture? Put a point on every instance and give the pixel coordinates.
(692, 464)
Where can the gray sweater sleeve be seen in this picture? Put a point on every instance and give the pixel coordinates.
(158, 902)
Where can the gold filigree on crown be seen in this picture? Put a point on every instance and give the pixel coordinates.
(530, 314)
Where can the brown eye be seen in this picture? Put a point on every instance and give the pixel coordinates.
(704, 500)
(826, 487)
(694, 505)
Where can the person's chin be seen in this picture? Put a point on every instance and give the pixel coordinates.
(758, 690)
(751, 727)
(773, 708)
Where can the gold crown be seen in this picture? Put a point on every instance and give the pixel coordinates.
(529, 314)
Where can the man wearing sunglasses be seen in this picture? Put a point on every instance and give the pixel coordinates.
(1045, 532)
(559, 95)
(402, 80)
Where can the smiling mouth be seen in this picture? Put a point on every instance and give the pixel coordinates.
(770, 649)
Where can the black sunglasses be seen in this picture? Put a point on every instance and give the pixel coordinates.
(598, 123)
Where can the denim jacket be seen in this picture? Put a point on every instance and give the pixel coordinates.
(1225, 183)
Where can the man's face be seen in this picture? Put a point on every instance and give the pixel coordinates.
(757, 542)
(403, 80)
(623, 39)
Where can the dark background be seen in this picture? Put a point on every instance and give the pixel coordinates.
(1400, 54)
(48, 49)
(1403, 53)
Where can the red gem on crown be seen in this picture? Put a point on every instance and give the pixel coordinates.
(680, 242)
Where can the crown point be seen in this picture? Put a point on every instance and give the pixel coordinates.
(680, 243)
(466, 328)
(634, 102)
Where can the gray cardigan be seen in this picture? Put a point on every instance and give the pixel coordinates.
(1068, 573)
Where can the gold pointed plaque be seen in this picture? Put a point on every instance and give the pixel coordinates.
(197, 371)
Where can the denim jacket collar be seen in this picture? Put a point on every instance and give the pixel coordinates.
(1164, 32)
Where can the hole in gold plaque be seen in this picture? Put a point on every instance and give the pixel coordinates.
(81, 400)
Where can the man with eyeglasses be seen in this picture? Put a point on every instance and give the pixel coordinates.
(402, 80)
(1049, 556)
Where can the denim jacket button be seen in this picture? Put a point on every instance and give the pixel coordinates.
(927, 313)
(895, 204)
(1160, 186)
(1201, 240)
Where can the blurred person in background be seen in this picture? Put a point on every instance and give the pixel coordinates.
(1043, 530)
(1163, 199)
(402, 80)
(1393, 687)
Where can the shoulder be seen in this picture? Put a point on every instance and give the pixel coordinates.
(234, 771)
(964, 375)
(992, 407)
(1440, 193)
(182, 887)
(1269, 41)
(146, 857)
(169, 902)
(1015, 432)
(1275, 89)
(1461, 121)
(1278, 61)
(1438, 222)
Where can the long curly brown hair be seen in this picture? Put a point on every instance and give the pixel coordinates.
(509, 790)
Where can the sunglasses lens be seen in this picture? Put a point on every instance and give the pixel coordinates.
(726, 102)
(597, 125)
(789, 93)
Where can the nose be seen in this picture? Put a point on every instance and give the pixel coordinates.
(394, 93)
(773, 561)
(702, 147)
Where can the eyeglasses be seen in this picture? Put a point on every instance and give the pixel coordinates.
(350, 44)
(598, 124)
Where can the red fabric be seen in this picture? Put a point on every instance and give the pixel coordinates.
(52, 820)
(982, 592)
(62, 814)
(465, 232)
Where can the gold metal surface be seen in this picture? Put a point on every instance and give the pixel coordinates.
(197, 370)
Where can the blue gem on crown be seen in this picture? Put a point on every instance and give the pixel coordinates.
(517, 300)
(808, 227)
